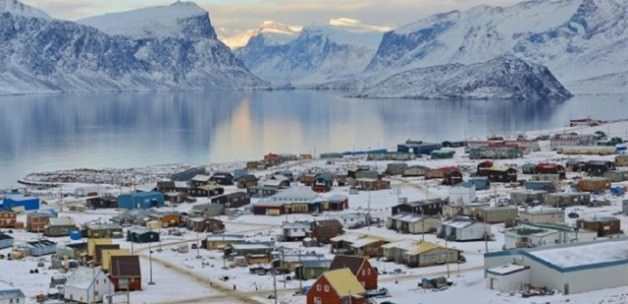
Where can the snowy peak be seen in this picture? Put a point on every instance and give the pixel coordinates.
(18, 8)
(179, 20)
(357, 25)
(274, 33)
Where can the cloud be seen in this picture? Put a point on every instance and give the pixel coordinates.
(240, 15)
(357, 25)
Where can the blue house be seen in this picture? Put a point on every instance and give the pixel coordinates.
(41, 247)
(418, 147)
(141, 200)
(479, 182)
(20, 201)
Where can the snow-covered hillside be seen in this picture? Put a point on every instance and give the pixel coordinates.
(577, 39)
(39, 55)
(500, 78)
(319, 54)
(18, 8)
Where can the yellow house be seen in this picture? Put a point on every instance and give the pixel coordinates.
(92, 243)
(107, 254)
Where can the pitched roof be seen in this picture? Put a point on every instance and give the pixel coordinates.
(125, 266)
(344, 282)
(344, 261)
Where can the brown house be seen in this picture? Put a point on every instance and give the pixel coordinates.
(323, 231)
(371, 184)
(604, 226)
(126, 274)
(360, 267)
(336, 287)
(37, 222)
(200, 224)
(170, 220)
(8, 219)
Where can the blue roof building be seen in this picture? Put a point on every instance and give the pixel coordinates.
(141, 200)
(12, 201)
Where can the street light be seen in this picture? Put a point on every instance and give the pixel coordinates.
(150, 264)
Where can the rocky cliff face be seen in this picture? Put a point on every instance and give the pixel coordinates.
(42, 55)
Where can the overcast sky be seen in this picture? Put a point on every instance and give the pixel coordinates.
(237, 15)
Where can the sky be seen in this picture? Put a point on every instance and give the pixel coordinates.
(234, 16)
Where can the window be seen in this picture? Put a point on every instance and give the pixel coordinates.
(318, 287)
(368, 271)
(317, 300)
(326, 288)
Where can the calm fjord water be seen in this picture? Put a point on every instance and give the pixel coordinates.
(136, 129)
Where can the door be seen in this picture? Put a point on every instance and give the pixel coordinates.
(566, 291)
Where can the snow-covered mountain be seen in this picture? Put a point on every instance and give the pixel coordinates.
(319, 54)
(505, 77)
(273, 32)
(178, 20)
(42, 55)
(20, 9)
(581, 41)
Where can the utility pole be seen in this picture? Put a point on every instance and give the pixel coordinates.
(368, 218)
(274, 284)
(150, 264)
(198, 246)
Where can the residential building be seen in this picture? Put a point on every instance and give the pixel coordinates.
(420, 253)
(604, 226)
(141, 200)
(360, 267)
(413, 224)
(12, 296)
(232, 200)
(542, 215)
(88, 285)
(464, 229)
(542, 235)
(60, 226)
(37, 221)
(8, 219)
(336, 287)
(324, 230)
(142, 235)
(126, 274)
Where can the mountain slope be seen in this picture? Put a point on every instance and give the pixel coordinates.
(501, 78)
(39, 55)
(576, 39)
(318, 54)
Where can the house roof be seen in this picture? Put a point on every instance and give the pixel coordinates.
(344, 261)
(125, 266)
(8, 294)
(4, 236)
(61, 221)
(83, 277)
(344, 282)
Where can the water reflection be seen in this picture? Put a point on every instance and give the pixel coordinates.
(134, 129)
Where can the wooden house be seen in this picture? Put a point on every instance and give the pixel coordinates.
(336, 287)
(100, 248)
(358, 245)
(142, 235)
(232, 200)
(103, 231)
(102, 202)
(247, 181)
(420, 253)
(412, 224)
(8, 219)
(222, 178)
(495, 215)
(88, 285)
(37, 222)
(126, 274)
(370, 184)
(60, 226)
(429, 207)
(604, 226)
(593, 185)
(203, 224)
(463, 229)
(311, 269)
(499, 174)
(360, 267)
(220, 241)
(324, 230)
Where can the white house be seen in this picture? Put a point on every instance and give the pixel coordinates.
(573, 268)
(460, 196)
(88, 285)
(12, 296)
(540, 235)
(464, 229)
(542, 215)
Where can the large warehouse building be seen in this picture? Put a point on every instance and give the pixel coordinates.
(569, 269)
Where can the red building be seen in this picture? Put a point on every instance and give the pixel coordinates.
(360, 267)
(336, 287)
(547, 168)
(126, 274)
